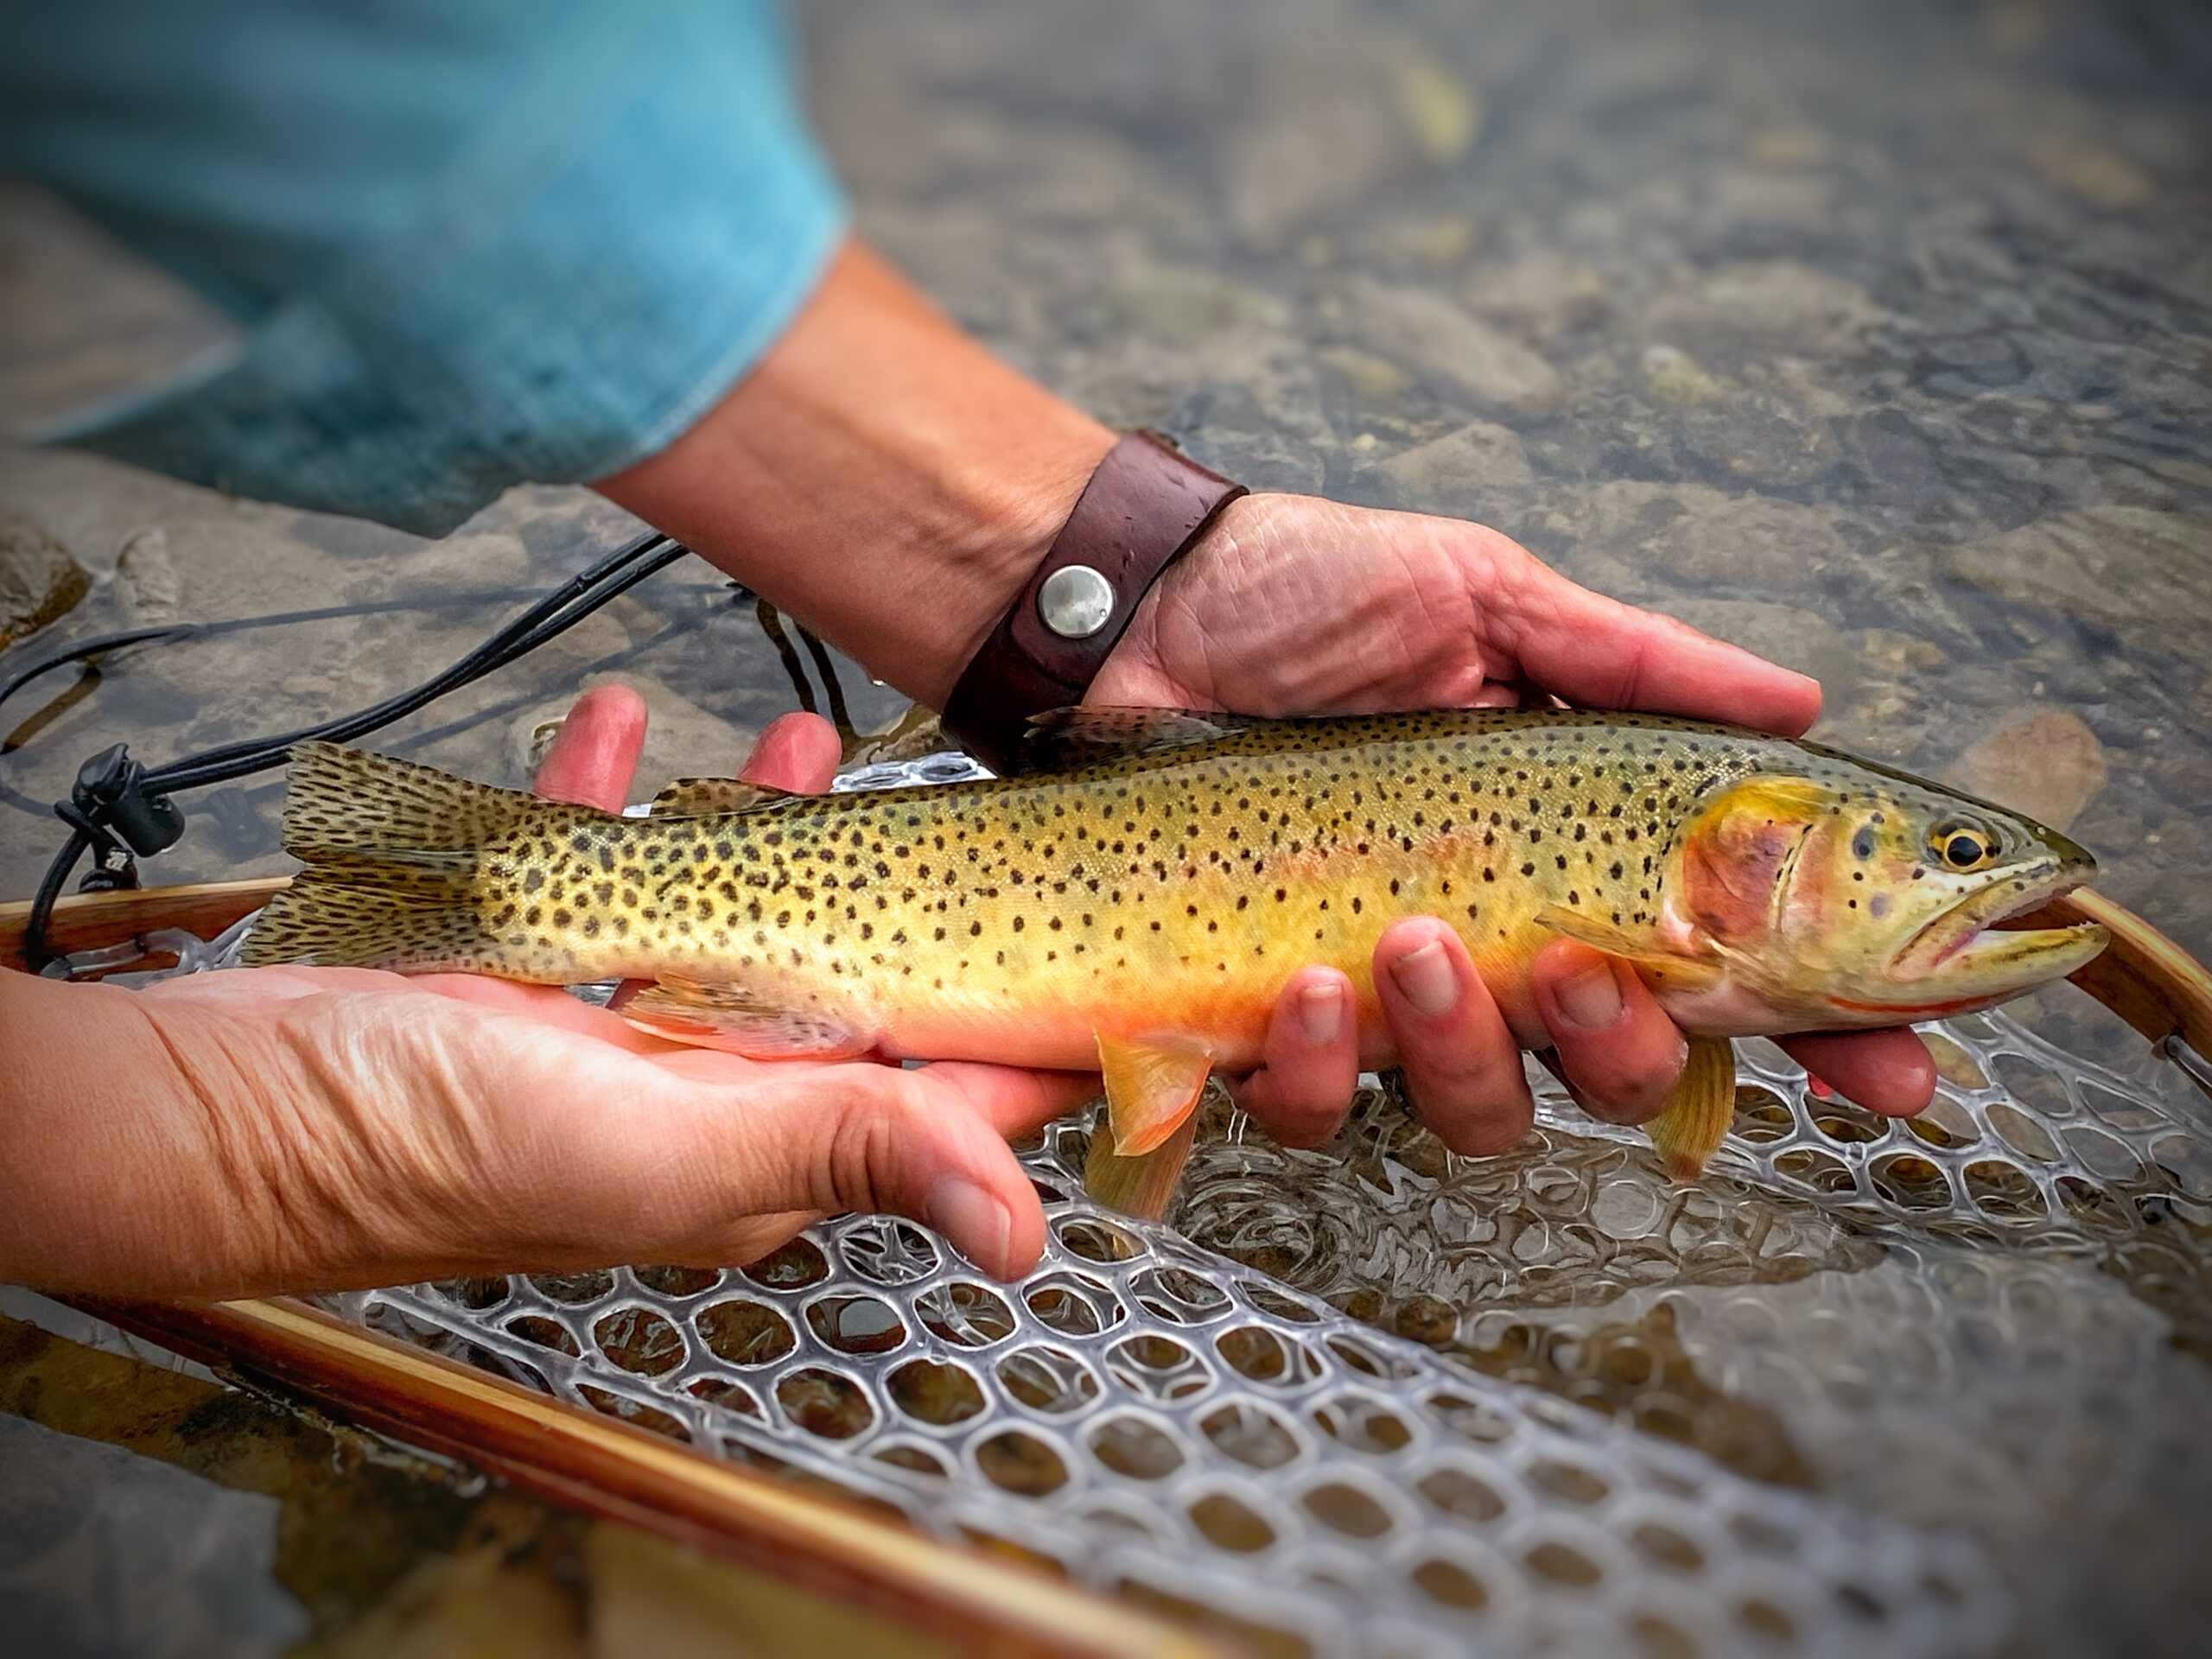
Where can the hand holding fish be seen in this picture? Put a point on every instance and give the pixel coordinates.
(294, 1129)
(876, 423)
(1291, 605)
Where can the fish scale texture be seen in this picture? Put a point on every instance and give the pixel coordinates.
(1176, 887)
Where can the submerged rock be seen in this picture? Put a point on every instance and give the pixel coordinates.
(1782, 633)
(1184, 305)
(2137, 571)
(1542, 298)
(1429, 333)
(2046, 763)
(1673, 376)
(2099, 176)
(1445, 473)
(39, 580)
(1773, 305)
(1314, 133)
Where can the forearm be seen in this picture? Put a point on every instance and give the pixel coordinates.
(134, 1154)
(878, 475)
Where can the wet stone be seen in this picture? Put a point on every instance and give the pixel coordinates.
(824, 1404)
(574, 1289)
(147, 584)
(1738, 310)
(1049, 1380)
(1019, 1463)
(1228, 1523)
(745, 1332)
(932, 1392)
(1449, 1584)
(40, 582)
(639, 1340)
(1347, 1510)
(2045, 762)
(1434, 337)
(1132, 1446)
(1448, 474)
(677, 1281)
(546, 1333)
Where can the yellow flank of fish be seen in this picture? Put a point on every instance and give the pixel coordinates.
(1139, 904)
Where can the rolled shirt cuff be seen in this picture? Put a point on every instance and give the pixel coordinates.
(624, 235)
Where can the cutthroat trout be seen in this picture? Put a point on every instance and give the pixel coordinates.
(1136, 904)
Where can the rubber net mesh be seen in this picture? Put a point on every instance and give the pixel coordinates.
(1923, 1388)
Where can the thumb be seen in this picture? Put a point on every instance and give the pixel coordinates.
(874, 1138)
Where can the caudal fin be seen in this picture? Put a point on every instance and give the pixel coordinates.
(391, 852)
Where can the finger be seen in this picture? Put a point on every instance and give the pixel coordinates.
(596, 750)
(874, 1140)
(1615, 1045)
(1461, 1063)
(1310, 1062)
(799, 752)
(1011, 1100)
(1888, 1071)
(1603, 654)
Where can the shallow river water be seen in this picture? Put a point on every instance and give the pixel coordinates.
(1875, 337)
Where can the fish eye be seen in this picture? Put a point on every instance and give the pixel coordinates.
(1960, 846)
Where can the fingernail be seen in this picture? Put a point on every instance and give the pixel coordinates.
(972, 1219)
(1425, 977)
(1591, 998)
(1321, 1012)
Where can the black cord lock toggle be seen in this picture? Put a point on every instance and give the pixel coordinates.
(111, 792)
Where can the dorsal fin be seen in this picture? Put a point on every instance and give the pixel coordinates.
(1073, 737)
(704, 797)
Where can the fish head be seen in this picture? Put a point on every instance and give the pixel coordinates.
(1854, 896)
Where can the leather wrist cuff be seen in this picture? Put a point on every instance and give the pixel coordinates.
(1140, 512)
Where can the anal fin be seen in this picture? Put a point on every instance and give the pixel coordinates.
(739, 1019)
(1143, 1185)
(1697, 1117)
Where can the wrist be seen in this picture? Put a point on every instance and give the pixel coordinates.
(1146, 669)
(878, 475)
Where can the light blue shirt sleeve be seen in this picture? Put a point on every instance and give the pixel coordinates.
(470, 243)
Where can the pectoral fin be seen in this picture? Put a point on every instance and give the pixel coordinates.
(1151, 1087)
(1696, 1120)
(1658, 964)
(738, 1019)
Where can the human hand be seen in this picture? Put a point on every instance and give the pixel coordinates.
(1290, 605)
(874, 422)
(392, 1128)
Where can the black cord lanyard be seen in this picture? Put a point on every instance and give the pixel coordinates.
(122, 811)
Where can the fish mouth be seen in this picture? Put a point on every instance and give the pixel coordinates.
(1964, 952)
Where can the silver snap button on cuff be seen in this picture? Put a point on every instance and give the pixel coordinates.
(1075, 601)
